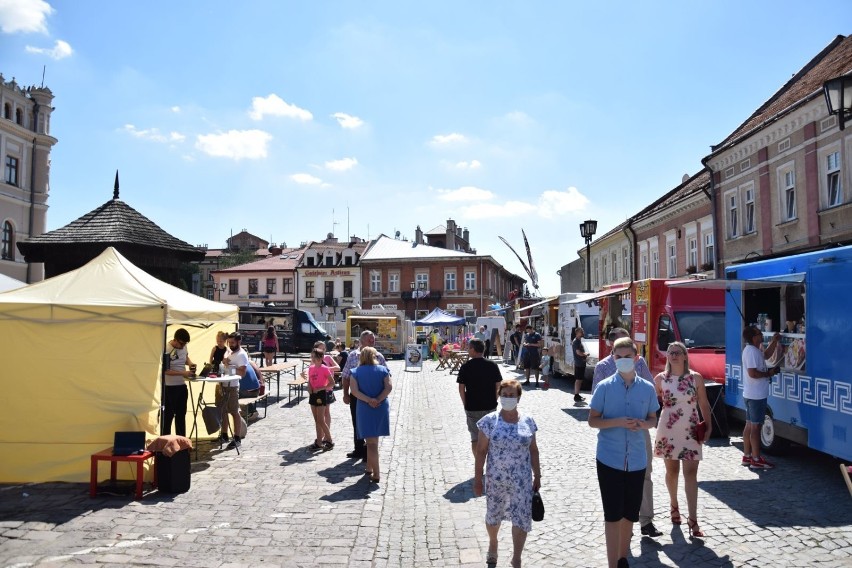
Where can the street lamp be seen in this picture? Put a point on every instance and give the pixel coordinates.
(838, 97)
(417, 289)
(587, 231)
(222, 286)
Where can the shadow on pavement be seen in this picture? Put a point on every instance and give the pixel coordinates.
(339, 472)
(681, 551)
(460, 492)
(580, 412)
(361, 489)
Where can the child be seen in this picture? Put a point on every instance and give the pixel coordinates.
(546, 367)
(320, 383)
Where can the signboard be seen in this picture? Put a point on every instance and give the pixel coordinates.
(640, 322)
(459, 306)
(413, 357)
(327, 273)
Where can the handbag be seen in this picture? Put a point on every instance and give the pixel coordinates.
(212, 417)
(537, 507)
(700, 430)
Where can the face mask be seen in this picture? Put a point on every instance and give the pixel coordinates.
(508, 402)
(625, 365)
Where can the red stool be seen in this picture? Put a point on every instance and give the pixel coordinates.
(106, 455)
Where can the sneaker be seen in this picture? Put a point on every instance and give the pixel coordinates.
(651, 530)
(327, 446)
(746, 461)
(761, 463)
(223, 438)
(578, 398)
(235, 443)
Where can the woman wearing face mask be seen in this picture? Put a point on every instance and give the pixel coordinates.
(507, 442)
(682, 394)
(622, 406)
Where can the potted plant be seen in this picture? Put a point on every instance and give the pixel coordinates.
(707, 266)
(691, 269)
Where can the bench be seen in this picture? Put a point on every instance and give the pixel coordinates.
(298, 385)
(245, 402)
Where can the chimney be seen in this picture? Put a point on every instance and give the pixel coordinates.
(466, 237)
(418, 235)
(451, 235)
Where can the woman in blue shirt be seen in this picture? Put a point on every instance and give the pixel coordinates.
(622, 406)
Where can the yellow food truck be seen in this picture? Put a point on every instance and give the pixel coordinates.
(387, 325)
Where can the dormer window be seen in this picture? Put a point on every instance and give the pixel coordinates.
(329, 260)
(310, 261)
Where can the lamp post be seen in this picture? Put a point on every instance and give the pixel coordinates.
(417, 289)
(587, 231)
(838, 97)
(222, 286)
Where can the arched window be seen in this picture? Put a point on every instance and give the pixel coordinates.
(8, 242)
(7, 111)
(19, 116)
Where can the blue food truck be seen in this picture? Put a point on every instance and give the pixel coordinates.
(807, 298)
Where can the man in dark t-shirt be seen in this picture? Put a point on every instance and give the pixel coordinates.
(479, 382)
(531, 358)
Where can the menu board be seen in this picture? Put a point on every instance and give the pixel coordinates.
(790, 352)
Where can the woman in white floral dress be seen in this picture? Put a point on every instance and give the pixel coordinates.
(507, 440)
(681, 393)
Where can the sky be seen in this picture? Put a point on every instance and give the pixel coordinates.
(293, 120)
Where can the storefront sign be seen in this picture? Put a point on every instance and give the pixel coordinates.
(326, 273)
(459, 306)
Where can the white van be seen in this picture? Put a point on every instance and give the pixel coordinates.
(574, 312)
(496, 330)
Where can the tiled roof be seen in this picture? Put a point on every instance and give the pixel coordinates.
(833, 61)
(696, 184)
(386, 248)
(437, 230)
(274, 263)
(322, 245)
(113, 223)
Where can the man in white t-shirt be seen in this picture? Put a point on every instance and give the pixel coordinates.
(756, 379)
(176, 392)
(230, 401)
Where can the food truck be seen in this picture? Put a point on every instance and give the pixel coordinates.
(575, 311)
(805, 298)
(387, 325)
(297, 330)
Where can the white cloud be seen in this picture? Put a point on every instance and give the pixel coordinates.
(60, 50)
(466, 193)
(274, 105)
(454, 138)
(495, 210)
(471, 165)
(347, 120)
(175, 109)
(235, 144)
(306, 179)
(555, 203)
(341, 165)
(24, 16)
(153, 134)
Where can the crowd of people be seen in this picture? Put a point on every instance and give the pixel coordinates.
(624, 407)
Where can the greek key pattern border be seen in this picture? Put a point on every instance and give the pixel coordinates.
(794, 387)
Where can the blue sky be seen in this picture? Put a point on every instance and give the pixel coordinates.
(295, 119)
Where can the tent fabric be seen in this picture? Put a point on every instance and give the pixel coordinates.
(88, 350)
(440, 317)
(8, 283)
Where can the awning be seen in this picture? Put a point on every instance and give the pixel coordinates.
(531, 306)
(372, 317)
(601, 294)
(742, 284)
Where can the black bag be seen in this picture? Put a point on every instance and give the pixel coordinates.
(212, 416)
(173, 473)
(537, 507)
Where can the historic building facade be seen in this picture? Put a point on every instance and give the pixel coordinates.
(25, 144)
(328, 278)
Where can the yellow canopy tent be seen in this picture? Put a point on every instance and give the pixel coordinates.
(84, 354)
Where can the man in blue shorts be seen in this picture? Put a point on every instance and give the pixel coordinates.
(756, 379)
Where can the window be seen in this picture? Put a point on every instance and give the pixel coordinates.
(328, 291)
(729, 172)
(309, 288)
(614, 266)
(329, 260)
(393, 282)
(748, 221)
(347, 261)
(643, 270)
(287, 286)
(604, 269)
(672, 258)
(252, 285)
(8, 241)
(625, 264)
(11, 170)
(745, 164)
(347, 288)
(233, 287)
(19, 116)
(835, 191)
(310, 261)
(375, 281)
(470, 280)
(7, 111)
(655, 264)
(733, 218)
(708, 248)
(597, 274)
(788, 210)
(270, 286)
(450, 281)
(692, 252)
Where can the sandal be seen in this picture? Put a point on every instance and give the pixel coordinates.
(315, 446)
(694, 530)
(676, 520)
(491, 558)
(328, 445)
(374, 479)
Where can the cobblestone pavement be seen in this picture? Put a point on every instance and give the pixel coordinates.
(279, 504)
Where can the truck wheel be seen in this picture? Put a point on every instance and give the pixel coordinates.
(770, 442)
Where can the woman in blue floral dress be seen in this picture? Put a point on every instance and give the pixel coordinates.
(681, 393)
(507, 441)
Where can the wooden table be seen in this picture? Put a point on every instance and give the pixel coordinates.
(275, 370)
(458, 358)
(106, 455)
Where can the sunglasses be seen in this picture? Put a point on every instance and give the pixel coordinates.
(673, 353)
